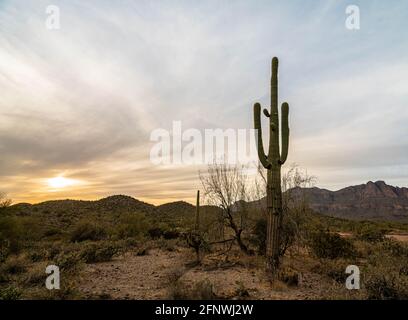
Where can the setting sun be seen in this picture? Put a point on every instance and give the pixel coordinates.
(60, 182)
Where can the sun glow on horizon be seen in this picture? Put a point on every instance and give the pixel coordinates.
(60, 182)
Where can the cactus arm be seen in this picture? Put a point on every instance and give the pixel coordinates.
(285, 132)
(257, 125)
(266, 113)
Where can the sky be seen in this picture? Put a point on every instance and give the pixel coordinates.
(78, 104)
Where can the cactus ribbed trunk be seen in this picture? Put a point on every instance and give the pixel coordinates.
(274, 205)
(272, 162)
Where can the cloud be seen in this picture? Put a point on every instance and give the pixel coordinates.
(83, 100)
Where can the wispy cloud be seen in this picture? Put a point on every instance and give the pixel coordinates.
(82, 101)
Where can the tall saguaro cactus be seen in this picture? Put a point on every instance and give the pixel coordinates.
(273, 161)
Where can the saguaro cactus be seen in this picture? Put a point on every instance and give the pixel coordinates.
(197, 217)
(273, 162)
(195, 237)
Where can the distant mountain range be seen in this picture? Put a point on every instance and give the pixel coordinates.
(370, 201)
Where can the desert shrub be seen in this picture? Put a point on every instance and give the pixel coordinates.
(14, 265)
(51, 232)
(371, 234)
(93, 252)
(333, 268)
(404, 270)
(168, 245)
(86, 230)
(67, 260)
(30, 228)
(4, 278)
(10, 293)
(155, 233)
(171, 234)
(10, 236)
(68, 291)
(48, 250)
(395, 248)
(36, 255)
(36, 275)
(15, 230)
(291, 227)
(241, 291)
(384, 276)
(132, 225)
(142, 251)
(130, 242)
(202, 290)
(4, 250)
(289, 276)
(330, 245)
(42, 251)
(384, 285)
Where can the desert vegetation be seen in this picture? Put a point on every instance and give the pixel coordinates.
(248, 237)
(121, 248)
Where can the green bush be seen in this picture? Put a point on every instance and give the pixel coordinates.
(371, 234)
(289, 276)
(51, 232)
(333, 268)
(10, 236)
(386, 286)
(131, 226)
(67, 260)
(14, 265)
(202, 290)
(86, 230)
(171, 234)
(330, 245)
(4, 250)
(36, 275)
(93, 253)
(10, 293)
(155, 233)
(385, 275)
(395, 248)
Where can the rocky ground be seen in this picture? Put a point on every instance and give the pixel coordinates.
(155, 275)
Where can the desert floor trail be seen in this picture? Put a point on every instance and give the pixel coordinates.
(131, 276)
(152, 276)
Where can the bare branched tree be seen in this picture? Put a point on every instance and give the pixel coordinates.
(225, 186)
(4, 201)
(294, 202)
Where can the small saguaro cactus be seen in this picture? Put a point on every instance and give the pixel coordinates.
(195, 237)
(197, 218)
(273, 161)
